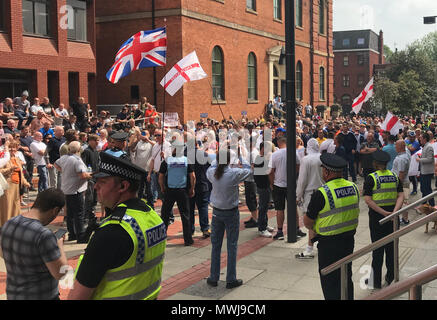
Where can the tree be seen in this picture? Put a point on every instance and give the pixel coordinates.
(387, 53)
(411, 93)
(386, 96)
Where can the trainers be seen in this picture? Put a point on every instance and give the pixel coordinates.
(404, 222)
(270, 229)
(251, 224)
(305, 255)
(265, 234)
(300, 233)
(278, 236)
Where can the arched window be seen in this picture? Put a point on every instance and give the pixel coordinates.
(322, 83)
(218, 91)
(322, 16)
(299, 82)
(299, 13)
(251, 77)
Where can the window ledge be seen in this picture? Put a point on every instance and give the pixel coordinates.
(80, 41)
(300, 28)
(218, 101)
(251, 101)
(221, 1)
(277, 20)
(36, 36)
(322, 34)
(248, 10)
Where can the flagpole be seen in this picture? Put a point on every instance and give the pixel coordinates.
(163, 112)
(217, 100)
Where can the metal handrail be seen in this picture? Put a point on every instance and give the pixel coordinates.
(403, 209)
(373, 246)
(413, 285)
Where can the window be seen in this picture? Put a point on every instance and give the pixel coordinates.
(333, 42)
(322, 16)
(346, 80)
(2, 15)
(217, 74)
(299, 82)
(360, 80)
(346, 100)
(299, 22)
(346, 42)
(322, 83)
(277, 12)
(36, 17)
(360, 41)
(360, 59)
(251, 4)
(251, 77)
(79, 30)
(345, 61)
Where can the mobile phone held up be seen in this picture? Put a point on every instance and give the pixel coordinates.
(60, 233)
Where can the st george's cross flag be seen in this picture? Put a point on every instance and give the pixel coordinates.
(365, 95)
(187, 69)
(392, 123)
(142, 50)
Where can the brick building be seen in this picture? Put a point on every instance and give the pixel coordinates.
(356, 54)
(48, 49)
(238, 44)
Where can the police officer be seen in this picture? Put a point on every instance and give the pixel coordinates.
(125, 255)
(333, 215)
(119, 145)
(383, 193)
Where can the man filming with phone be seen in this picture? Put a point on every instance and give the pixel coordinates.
(33, 255)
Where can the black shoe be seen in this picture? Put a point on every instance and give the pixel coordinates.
(249, 221)
(171, 221)
(211, 283)
(300, 233)
(71, 238)
(83, 240)
(388, 281)
(366, 281)
(251, 224)
(234, 284)
(189, 243)
(278, 236)
(404, 222)
(271, 206)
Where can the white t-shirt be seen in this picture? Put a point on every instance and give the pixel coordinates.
(36, 146)
(156, 154)
(278, 161)
(60, 113)
(143, 154)
(34, 109)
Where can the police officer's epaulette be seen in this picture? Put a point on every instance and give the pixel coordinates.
(118, 214)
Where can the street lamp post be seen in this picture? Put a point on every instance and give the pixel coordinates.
(291, 120)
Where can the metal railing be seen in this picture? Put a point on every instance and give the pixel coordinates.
(342, 263)
(412, 285)
(393, 217)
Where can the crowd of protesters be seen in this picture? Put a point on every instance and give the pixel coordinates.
(53, 140)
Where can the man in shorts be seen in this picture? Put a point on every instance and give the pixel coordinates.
(278, 181)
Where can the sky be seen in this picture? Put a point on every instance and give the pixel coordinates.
(400, 20)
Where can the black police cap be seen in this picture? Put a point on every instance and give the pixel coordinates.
(120, 135)
(333, 162)
(111, 166)
(381, 156)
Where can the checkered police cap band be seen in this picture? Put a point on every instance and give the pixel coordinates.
(119, 171)
(331, 168)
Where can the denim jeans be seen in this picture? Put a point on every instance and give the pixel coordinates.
(21, 115)
(425, 186)
(201, 200)
(43, 178)
(222, 220)
(156, 190)
(264, 199)
(75, 204)
(147, 192)
(350, 160)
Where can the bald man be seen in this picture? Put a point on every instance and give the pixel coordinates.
(38, 148)
(401, 165)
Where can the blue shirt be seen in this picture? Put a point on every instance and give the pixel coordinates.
(44, 132)
(391, 150)
(415, 145)
(225, 191)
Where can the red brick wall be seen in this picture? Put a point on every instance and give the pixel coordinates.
(42, 54)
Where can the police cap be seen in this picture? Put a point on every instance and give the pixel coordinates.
(333, 162)
(111, 166)
(120, 135)
(381, 156)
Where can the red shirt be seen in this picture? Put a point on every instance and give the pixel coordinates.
(150, 113)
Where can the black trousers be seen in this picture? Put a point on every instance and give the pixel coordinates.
(76, 215)
(90, 204)
(330, 251)
(377, 232)
(180, 196)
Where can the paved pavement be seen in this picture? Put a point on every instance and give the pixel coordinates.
(268, 268)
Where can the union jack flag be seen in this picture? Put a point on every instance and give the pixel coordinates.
(142, 50)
